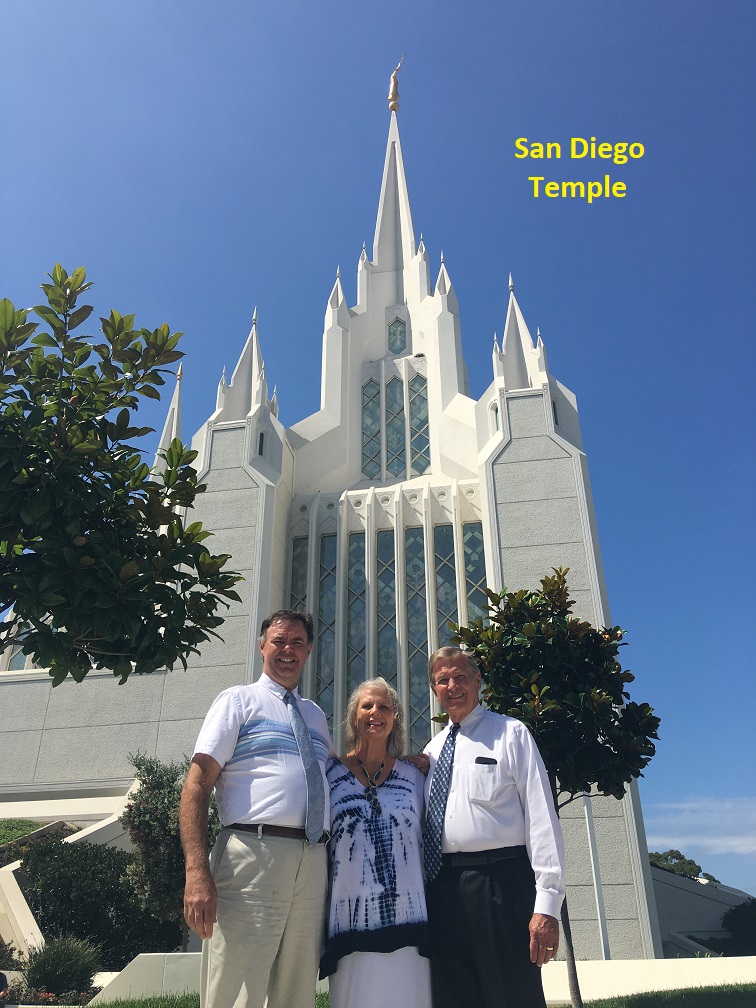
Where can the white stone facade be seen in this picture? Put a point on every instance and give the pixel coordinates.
(384, 513)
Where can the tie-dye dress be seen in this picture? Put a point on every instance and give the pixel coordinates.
(377, 920)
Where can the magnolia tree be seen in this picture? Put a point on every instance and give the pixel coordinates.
(97, 566)
(562, 678)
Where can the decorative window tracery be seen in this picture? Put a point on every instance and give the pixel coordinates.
(371, 429)
(326, 660)
(419, 430)
(396, 452)
(397, 336)
(356, 611)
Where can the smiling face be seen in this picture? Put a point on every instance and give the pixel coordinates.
(285, 650)
(456, 687)
(375, 715)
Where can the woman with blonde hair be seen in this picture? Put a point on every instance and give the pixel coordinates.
(377, 921)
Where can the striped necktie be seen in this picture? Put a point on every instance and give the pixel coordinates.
(439, 794)
(313, 776)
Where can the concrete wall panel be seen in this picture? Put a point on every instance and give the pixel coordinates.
(101, 701)
(24, 703)
(99, 752)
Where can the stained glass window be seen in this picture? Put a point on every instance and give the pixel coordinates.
(371, 428)
(355, 635)
(417, 639)
(326, 663)
(419, 431)
(475, 569)
(386, 606)
(396, 457)
(397, 336)
(298, 595)
(446, 581)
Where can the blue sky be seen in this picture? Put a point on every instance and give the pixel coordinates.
(203, 159)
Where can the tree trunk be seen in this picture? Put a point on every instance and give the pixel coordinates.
(569, 948)
(569, 954)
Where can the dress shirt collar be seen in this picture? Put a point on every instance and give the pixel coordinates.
(467, 723)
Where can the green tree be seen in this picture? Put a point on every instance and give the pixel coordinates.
(156, 869)
(674, 861)
(560, 676)
(96, 562)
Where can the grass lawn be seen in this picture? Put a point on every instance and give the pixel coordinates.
(12, 829)
(697, 997)
(729, 996)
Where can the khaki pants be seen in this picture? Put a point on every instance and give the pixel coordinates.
(268, 937)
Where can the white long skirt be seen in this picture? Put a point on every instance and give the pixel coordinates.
(400, 979)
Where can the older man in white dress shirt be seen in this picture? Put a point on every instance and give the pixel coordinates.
(495, 884)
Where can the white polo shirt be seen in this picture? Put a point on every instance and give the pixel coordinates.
(248, 732)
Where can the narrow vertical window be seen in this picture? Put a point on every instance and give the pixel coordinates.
(417, 639)
(497, 421)
(386, 606)
(554, 410)
(397, 336)
(261, 443)
(355, 635)
(446, 581)
(298, 594)
(396, 454)
(475, 570)
(371, 428)
(17, 660)
(326, 664)
(419, 431)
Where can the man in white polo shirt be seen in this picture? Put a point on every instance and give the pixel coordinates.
(259, 900)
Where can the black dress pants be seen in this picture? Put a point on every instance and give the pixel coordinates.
(480, 943)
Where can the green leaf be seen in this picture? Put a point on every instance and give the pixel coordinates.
(79, 316)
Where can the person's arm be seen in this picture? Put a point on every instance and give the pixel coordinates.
(200, 896)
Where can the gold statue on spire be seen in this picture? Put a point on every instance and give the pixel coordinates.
(393, 95)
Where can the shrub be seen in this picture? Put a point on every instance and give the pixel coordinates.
(21, 994)
(79, 890)
(156, 870)
(62, 964)
(9, 957)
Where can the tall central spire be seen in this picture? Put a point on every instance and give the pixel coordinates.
(394, 242)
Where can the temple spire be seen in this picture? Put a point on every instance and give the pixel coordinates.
(172, 426)
(394, 241)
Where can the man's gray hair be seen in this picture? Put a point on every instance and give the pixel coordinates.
(395, 742)
(449, 654)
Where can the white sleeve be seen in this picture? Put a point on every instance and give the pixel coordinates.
(220, 730)
(543, 832)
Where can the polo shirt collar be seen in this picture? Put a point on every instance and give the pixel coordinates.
(276, 688)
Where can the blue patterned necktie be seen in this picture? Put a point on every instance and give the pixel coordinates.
(313, 776)
(439, 794)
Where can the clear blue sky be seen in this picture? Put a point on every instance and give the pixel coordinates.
(201, 159)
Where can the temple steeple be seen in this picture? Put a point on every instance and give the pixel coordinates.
(521, 365)
(394, 241)
(172, 426)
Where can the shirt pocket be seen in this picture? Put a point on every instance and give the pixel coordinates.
(483, 781)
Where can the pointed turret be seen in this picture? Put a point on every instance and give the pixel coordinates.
(248, 387)
(520, 361)
(172, 426)
(445, 288)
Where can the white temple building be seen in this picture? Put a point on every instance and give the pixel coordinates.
(384, 513)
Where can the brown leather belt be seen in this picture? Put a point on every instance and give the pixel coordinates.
(263, 829)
